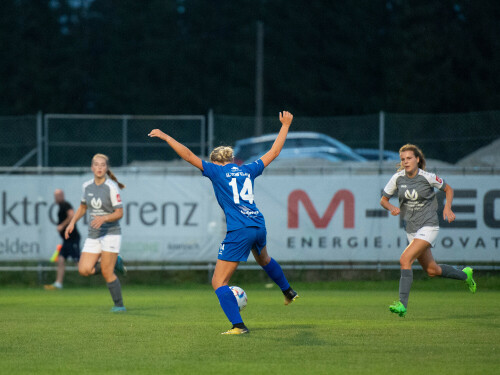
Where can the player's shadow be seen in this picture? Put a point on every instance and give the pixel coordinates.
(301, 334)
(460, 317)
(145, 311)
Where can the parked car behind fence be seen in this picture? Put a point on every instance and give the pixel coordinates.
(298, 145)
(373, 154)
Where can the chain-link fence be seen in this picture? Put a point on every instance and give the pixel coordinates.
(71, 140)
(18, 140)
(445, 137)
(361, 130)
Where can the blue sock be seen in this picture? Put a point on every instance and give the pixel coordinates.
(273, 269)
(229, 305)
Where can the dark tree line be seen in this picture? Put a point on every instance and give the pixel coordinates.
(186, 56)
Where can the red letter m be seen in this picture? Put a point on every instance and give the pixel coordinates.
(297, 196)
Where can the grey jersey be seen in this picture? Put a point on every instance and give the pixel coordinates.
(417, 198)
(102, 200)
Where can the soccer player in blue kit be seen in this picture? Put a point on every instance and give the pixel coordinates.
(246, 230)
(417, 199)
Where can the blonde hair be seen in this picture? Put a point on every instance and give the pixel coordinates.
(416, 151)
(108, 172)
(222, 154)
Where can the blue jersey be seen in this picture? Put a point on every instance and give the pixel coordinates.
(233, 188)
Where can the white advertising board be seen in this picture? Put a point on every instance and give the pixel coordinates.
(308, 218)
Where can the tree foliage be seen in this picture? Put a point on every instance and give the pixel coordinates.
(186, 56)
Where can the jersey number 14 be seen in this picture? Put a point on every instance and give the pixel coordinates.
(246, 192)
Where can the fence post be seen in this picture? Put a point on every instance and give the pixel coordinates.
(210, 130)
(40, 272)
(381, 136)
(46, 139)
(259, 78)
(210, 268)
(39, 141)
(124, 139)
(203, 135)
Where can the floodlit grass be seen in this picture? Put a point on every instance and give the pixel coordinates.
(334, 328)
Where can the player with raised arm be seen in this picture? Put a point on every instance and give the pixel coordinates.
(418, 205)
(101, 197)
(246, 230)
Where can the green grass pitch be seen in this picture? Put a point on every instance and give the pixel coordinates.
(334, 328)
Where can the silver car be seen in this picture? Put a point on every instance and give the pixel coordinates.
(374, 154)
(297, 145)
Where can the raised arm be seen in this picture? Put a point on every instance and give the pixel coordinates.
(179, 148)
(286, 120)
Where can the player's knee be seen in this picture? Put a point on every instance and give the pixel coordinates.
(109, 278)
(84, 271)
(405, 263)
(108, 275)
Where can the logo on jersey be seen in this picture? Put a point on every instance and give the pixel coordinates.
(439, 180)
(413, 195)
(96, 203)
(234, 169)
(118, 198)
(248, 212)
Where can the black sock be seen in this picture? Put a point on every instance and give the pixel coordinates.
(115, 289)
(405, 285)
(452, 273)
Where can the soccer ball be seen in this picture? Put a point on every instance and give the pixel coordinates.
(241, 296)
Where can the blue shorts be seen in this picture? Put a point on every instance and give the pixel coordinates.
(238, 243)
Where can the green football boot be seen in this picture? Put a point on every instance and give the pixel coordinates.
(470, 281)
(398, 308)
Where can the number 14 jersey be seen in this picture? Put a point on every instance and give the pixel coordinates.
(233, 188)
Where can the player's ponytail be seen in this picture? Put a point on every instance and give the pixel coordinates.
(113, 177)
(222, 154)
(108, 171)
(418, 154)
